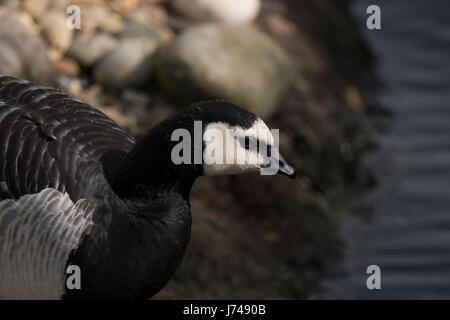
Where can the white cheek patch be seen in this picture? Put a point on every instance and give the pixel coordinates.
(260, 131)
(224, 154)
(215, 140)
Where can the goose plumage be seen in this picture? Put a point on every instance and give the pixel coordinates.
(76, 189)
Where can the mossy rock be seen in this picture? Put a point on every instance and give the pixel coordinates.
(239, 64)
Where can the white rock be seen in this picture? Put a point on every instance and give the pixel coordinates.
(231, 12)
(55, 31)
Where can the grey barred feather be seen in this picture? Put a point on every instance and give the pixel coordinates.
(37, 234)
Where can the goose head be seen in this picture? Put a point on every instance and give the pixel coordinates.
(232, 140)
(208, 138)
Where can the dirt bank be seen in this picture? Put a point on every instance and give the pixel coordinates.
(260, 237)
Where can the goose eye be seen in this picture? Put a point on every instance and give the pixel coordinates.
(247, 143)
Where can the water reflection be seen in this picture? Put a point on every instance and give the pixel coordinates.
(408, 233)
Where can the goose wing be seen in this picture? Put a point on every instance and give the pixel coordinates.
(56, 156)
(49, 139)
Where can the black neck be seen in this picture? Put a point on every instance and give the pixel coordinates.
(148, 170)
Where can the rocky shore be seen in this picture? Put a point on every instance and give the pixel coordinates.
(300, 65)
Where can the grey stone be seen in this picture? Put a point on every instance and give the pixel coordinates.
(31, 49)
(10, 63)
(129, 65)
(238, 64)
(87, 49)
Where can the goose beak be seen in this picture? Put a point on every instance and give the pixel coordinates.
(285, 169)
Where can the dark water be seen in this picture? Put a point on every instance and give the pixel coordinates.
(408, 231)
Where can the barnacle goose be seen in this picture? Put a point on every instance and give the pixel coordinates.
(76, 189)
